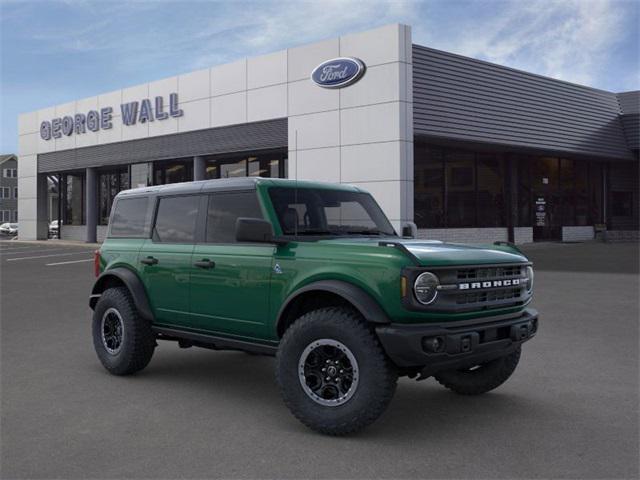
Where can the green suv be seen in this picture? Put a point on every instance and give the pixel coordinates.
(314, 274)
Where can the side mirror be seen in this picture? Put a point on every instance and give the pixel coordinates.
(410, 230)
(254, 230)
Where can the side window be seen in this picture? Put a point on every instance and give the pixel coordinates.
(224, 210)
(176, 219)
(129, 218)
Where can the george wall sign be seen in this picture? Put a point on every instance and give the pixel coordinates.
(94, 120)
(339, 72)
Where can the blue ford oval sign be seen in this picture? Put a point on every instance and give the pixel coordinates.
(338, 73)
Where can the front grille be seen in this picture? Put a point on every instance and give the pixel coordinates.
(476, 288)
(487, 297)
(491, 272)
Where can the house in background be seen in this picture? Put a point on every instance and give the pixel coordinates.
(9, 188)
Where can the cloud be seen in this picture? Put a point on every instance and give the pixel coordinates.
(569, 40)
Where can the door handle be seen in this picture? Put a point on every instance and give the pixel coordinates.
(149, 261)
(205, 263)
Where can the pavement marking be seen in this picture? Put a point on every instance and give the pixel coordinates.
(26, 249)
(44, 256)
(67, 263)
(34, 250)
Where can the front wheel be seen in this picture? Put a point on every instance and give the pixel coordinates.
(480, 378)
(332, 372)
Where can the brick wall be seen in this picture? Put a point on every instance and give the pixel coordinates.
(464, 235)
(523, 235)
(615, 236)
(577, 234)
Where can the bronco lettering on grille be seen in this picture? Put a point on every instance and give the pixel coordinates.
(489, 284)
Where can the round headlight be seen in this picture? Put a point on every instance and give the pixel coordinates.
(529, 279)
(426, 288)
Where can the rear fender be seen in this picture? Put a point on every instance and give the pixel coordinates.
(133, 284)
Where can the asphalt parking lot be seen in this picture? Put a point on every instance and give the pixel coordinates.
(569, 411)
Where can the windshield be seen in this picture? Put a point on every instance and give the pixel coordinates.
(311, 211)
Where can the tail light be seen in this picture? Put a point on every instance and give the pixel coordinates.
(96, 263)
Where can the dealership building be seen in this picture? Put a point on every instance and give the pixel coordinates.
(467, 150)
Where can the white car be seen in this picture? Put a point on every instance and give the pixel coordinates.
(54, 229)
(9, 228)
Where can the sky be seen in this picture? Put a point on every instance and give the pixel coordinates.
(55, 51)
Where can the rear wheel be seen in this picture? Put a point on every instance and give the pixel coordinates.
(480, 378)
(124, 342)
(332, 372)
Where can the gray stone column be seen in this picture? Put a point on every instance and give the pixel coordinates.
(199, 168)
(42, 213)
(91, 204)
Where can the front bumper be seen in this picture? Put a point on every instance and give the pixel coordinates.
(448, 346)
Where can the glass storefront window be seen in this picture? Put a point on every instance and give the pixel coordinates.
(524, 194)
(460, 188)
(233, 168)
(429, 187)
(567, 191)
(491, 199)
(581, 172)
(173, 171)
(73, 191)
(623, 198)
(270, 165)
(456, 188)
(109, 185)
(547, 193)
(596, 189)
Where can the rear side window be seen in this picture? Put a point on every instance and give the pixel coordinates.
(224, 210)
(129, 218)
(176, 219)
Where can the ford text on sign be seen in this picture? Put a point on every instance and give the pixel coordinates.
(338, 73)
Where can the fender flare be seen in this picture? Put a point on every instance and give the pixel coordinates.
(132, 282)
(356, 296)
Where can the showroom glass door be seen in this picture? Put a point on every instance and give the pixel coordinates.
(546, 201)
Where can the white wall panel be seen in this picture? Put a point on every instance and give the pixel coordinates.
(111, 99)
(229, 109)
(372, 162)
(162, 88)
(266, 103)
(315, 130)
(380, 84)
(229, 78)
(306, 97)
(163, 127)
(371, 124)
(28, 144)
(267, 70)
(113, 134)
(28, 123)
(46, 145)
(374, 47)
(303, 59)
(86, 139)
(197, 115)
(130, 132)
(321, 164)
(194, 85)
(131, 94)
(27, 166)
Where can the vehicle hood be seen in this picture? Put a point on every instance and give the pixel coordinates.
(435, 253)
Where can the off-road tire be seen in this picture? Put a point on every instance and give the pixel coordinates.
(138, 342)
(377, 375)
(483, 379)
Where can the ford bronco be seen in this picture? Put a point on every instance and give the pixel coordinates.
(314, 274)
